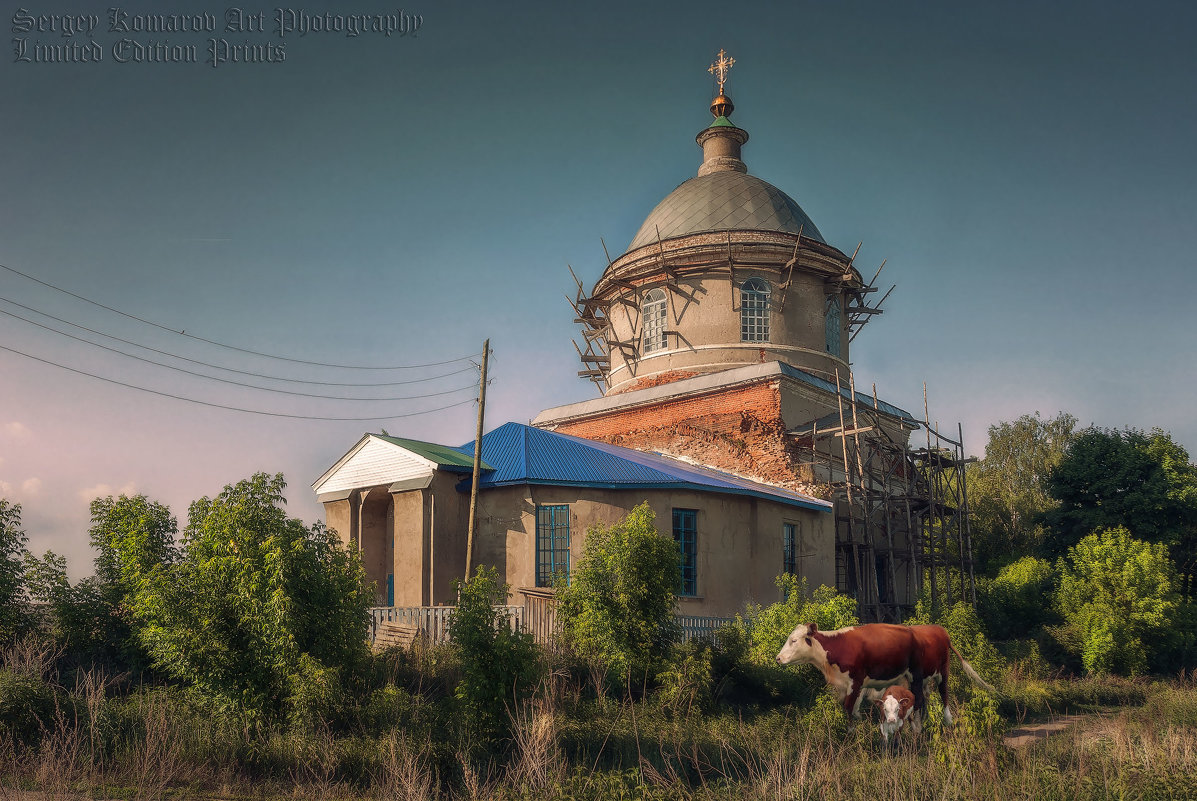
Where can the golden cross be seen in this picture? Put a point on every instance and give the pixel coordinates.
(720, 67)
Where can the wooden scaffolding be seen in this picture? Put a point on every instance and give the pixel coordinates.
(901, 509)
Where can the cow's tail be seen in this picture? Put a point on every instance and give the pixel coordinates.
(972, 674)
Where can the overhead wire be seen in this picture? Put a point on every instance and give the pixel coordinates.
(230, 381)
(467, 368)
(233, 408)
(224, 345)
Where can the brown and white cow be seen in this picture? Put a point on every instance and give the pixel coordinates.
(875, 656)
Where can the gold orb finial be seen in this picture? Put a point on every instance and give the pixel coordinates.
(721, 106)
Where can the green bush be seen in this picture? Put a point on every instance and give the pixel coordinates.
(738, 680)
(744, 663)
(259, 610)
(1014, 603)
(315, 696)
(27, 707)
(618, 610)
(826, 714)
(499, 665)
(388, 708)
(684, 686)
(1024, 659)
(1119, 596)
(768, 627)
(132, 536)
(1176, 706)
(70, 616)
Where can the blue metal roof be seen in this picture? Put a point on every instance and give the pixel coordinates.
(862, 401)
(522, 454)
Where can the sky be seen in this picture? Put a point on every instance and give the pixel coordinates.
(1026, 169)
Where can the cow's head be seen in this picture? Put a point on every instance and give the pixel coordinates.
(801, 646)
(895, 705)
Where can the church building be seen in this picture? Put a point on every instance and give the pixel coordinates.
(720, 340)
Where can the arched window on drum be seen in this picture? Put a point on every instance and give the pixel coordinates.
(754, 310)
(834, 324)
(652, 311)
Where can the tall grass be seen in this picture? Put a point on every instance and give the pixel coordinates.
(92, 735)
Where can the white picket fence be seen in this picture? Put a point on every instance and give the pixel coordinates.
(536, 617)
(432, 621)
(701, 627)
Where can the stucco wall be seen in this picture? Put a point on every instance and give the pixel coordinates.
(739, 543)
(739, 539)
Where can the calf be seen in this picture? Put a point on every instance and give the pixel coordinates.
(895, 705)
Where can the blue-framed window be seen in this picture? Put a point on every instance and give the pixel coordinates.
(754, 311)
(390, 589)
(790, 543)
(685, 534)
(653, 312)
(552, 544)
(833, 325)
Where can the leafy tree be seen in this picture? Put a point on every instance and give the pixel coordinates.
(1126, 478)
(1007, 490)
(47, 586)
(81, 617)
(498, 663)
(132, 536)
(618, 609)
(12, 570)
(1120, 595)
(260, 612)
(1181, 475)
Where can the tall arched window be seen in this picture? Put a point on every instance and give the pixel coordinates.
(833, 325)
(754, 311)
(652, 310)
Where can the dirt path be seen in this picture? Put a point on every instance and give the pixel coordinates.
(1034, 732)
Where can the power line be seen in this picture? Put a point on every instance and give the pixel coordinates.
(231, 408)
(230, 347)
(468, 368)
(230, 381)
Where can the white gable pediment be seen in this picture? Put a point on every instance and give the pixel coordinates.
(373, 462)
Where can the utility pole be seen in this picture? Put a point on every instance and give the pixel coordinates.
(477, 463)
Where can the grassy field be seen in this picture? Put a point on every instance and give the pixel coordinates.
(90, 737)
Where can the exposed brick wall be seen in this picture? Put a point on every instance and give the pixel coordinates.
(656, 380)
(737, 429)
